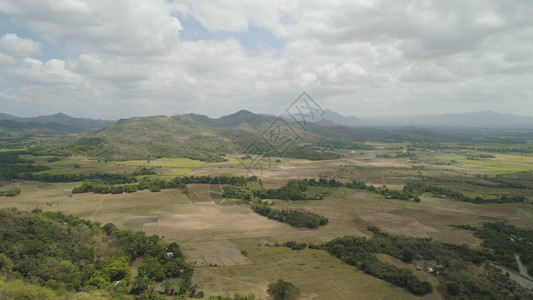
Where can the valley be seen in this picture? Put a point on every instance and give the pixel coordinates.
(235, 250)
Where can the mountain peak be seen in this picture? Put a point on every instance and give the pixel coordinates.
(339, 119)
(242, 112)
(60, 115)
(231, 120)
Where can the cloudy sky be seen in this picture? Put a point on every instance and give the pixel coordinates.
(121, 58)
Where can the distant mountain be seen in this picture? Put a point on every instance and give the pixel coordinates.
(4, 116)
(75, 124)
(340, 119)
(326, 122)
(210, 139)
(56, 124)
(240, 118)
(330, 118)
(485, 119)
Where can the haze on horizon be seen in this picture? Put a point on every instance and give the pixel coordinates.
(117, 59)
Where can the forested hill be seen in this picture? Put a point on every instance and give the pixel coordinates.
(202, 138)
(49, 255)
(57, 124)
(153, 137)
(160, 136)
(240, 118)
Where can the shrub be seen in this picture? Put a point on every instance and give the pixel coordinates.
(282, 290)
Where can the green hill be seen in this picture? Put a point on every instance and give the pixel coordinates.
(153, 137)
(74, 125)
(195, 137)
(242, 118)
(57, 124)
(210, 139)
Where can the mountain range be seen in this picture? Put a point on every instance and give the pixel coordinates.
(330, 125)
(484, 119)
(200, 137)
(56, 124)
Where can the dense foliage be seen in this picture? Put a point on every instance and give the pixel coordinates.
(420, 188)
(12, 192)
(283, 290)
(129, 184)
(295, 245)
(359, 252)
(58, 253)
(507, 241)
(453, 263)
(12, 166)
(294, 218)
(293, 190)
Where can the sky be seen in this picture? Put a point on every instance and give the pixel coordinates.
(122, 58)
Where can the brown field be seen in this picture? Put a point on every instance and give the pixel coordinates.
(213, 231)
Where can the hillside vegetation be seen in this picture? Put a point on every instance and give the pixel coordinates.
(46, 255)
(57, 124)
(191, 136)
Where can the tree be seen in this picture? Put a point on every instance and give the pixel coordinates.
(117, 267)
(283, 290)
(140, 285)
(453, 288)
(407, 255)
(99, 279)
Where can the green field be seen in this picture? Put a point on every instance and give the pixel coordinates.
(315, 272)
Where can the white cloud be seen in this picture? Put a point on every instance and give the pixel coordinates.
(16, 46)
(52, 72)
(124, 27)
(361, 57)
(426, 72)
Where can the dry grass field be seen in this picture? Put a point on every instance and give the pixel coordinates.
(317, 274)
(214, 231)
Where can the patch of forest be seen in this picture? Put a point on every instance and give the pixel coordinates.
(54, 254)
(452, 262)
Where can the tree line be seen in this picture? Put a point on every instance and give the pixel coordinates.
(359, 252)
(131, 184)
(453, 260)
(14, 167)
(420, 188)
(292, 217)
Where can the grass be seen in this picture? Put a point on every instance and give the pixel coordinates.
(178, 172)
(167, 166)
(315, 272)
(11, 149)
(315, 191)
(97, 207)
(500, 164)
(166, 162)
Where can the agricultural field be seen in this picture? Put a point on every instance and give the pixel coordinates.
(232, 248)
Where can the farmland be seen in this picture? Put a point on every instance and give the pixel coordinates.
(231, 247)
